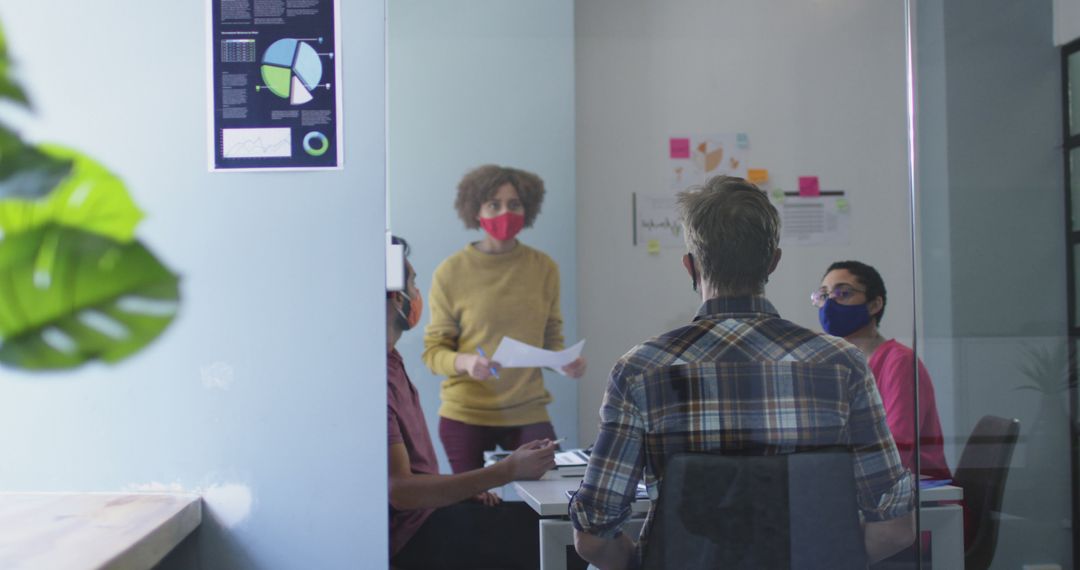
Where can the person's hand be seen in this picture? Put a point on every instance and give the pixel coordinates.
(532, 460)
(487, 498)
(576, 369)
(476, 366)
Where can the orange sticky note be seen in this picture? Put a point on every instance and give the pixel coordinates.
(809, 186)
(757, 175)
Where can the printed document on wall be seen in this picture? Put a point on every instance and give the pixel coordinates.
(821, 220)
(274, 87)
(656, 220)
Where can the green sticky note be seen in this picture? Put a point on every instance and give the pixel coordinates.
(841, 204)
(778, 196)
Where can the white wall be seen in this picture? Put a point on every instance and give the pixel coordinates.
(1066, 21)
(486, 81)
(282, 284)
(818, 86)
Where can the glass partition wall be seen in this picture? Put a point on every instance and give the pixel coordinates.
(1071, 104)
(619, 104)
(994, 304)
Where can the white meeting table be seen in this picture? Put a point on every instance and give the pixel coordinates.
(940, 514)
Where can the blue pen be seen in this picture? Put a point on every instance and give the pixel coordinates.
(492, 369)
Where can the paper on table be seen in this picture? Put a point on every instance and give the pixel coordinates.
(513, 353)
(931, 483)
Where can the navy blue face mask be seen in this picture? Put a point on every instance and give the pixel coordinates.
(842, 320)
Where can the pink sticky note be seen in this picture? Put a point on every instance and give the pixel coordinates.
(680, 148)
(808, 186)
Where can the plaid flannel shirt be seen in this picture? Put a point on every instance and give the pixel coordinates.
(740, 379)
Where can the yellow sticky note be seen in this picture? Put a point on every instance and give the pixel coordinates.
(653, 246)
(757, 175)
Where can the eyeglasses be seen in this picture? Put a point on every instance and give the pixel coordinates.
(841, 293)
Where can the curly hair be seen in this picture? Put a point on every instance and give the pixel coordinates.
(480, 184)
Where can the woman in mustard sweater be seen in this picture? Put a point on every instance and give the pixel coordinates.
(493, 288)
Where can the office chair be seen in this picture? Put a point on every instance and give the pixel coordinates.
(751, 512)
(982, 473)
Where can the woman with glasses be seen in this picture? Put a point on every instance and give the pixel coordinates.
(851, 302)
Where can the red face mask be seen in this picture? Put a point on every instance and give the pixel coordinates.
(503, 227)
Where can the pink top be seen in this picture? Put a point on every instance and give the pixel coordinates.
(406, 425)
(893, 367)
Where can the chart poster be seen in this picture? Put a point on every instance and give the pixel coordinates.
(275, 92)
(693, 159)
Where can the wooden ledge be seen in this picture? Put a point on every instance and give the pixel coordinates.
(117, 531)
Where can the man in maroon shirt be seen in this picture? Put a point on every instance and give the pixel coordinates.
(449, 521)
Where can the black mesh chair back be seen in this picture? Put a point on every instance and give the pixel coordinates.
(751, 512)
(982, 473)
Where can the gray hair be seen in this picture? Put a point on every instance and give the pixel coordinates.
(733, 232)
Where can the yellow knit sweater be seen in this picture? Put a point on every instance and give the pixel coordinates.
(476, 299)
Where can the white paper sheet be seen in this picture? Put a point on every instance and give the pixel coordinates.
(813, 220)
(516, 354)
(657, 218)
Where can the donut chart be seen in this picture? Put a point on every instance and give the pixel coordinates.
(316, 143)
(291, 70)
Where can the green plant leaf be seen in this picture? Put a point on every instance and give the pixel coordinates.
(89, 198)
(71, 296)
(26, 173)
(1048, 370)
(9, 89)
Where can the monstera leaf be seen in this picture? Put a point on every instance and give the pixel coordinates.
(75, 285)
(26, 173)
(86, 196)
(9, 89)
(68, 296)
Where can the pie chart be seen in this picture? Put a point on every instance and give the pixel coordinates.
(291, 70)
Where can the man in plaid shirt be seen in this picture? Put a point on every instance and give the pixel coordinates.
(737, 379)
